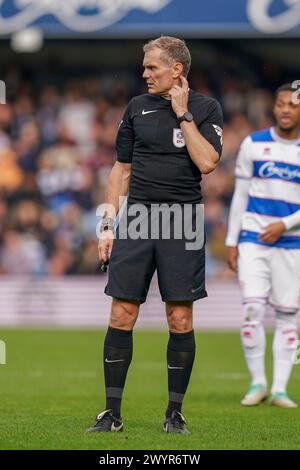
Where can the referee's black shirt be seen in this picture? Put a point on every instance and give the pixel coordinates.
(150, 138)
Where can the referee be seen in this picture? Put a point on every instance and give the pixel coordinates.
(168, 137)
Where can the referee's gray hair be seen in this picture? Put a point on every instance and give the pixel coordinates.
(174, 50)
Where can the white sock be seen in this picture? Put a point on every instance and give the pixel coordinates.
(254, 341)
(284, 346)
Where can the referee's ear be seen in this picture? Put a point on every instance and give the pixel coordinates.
(177, 69)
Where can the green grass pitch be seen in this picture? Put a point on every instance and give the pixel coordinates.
(52, 388)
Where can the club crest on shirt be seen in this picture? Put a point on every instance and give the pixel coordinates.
(178, 139)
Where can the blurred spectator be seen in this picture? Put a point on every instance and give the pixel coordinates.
(28, 146)
(47, 114)
(63, 177)
(22, 254)
(11, 175)
(76, 119)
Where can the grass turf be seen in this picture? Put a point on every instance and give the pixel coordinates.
(52, 388)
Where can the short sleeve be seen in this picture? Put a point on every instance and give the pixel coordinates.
(212, 127)
(244, 162)
(125, 137)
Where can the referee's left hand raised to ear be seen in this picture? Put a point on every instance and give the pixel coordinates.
(179, 97)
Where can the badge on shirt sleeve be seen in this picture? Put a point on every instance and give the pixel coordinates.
(178, 139)
(219, 131)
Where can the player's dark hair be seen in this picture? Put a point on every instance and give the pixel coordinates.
(174, 50)
(285, 87)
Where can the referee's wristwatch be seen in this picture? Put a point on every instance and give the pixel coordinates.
(108, 223)
(186, 117)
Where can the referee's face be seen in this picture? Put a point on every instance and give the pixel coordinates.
(159, 75)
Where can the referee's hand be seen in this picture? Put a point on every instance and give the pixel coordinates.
(179, 95)
(105, 245)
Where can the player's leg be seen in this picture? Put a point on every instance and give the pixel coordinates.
(180, 360)
(284, 348)
(254, 344)
(254, 277)
(284, 298)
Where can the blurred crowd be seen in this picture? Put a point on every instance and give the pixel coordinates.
(57, 146)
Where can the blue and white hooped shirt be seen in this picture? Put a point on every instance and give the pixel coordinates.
(273, 166)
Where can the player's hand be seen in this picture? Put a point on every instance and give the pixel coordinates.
(272, 232)
(179, 97)
(105, 245)
(232, 256)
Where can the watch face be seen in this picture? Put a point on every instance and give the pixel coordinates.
(188, 117)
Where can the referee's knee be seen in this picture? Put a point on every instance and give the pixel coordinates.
(180, 318)
(123, 314)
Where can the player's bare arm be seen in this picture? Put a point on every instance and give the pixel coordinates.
(118, 185)
(200, 150)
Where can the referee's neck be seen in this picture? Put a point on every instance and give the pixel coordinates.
(165, 95)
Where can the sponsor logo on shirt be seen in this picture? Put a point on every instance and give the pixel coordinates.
(270, 169)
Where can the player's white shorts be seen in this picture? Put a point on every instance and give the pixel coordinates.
(269, 273)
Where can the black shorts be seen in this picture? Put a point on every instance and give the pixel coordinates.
(180, 271)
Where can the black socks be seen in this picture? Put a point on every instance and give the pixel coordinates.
(180, 359)
(117, 357)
